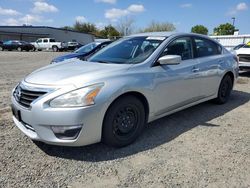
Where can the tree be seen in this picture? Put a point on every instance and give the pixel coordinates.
(157, 26)
(85, 27)
(68, 28)
(224, 29)
(200, 29)
(109, 32)
(125, 26)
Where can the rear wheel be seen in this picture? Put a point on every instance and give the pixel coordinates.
(1, 48)
(123, 122)
(19, 49)
(225, 89)
(54, 48)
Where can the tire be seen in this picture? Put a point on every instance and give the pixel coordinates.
(1, 48)
(54, 48)
(124, 121)
(225, 89)
(19, 49)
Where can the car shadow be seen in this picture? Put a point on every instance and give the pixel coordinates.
(156, 133)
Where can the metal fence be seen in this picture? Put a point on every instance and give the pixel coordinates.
(230, 41)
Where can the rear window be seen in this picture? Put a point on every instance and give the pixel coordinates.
(206, 47)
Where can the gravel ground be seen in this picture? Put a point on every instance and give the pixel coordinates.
(204, 146)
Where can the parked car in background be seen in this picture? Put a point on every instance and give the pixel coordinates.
(243, 54)
(73, 45)
(1, 45)
(84, 52)
(238, 46)
(49, 43)
(17, 45)
(134, 80)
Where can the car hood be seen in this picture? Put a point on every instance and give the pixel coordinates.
(243, 51)
(67, 56)
(76, 73)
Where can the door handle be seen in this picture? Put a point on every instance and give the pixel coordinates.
(195, 69)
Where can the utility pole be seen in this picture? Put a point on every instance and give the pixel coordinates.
(233, 18)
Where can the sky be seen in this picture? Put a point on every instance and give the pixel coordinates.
(182, 13)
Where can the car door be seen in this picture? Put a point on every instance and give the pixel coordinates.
(7, 45)
(177, 85)
(39, 43)
(45, 44)
(209, 57)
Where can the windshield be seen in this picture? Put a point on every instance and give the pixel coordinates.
(128, 50)
(246, 46)
(87, 48)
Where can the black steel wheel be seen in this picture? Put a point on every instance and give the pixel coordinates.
(54, 48)
(225, 89)
(124, 121)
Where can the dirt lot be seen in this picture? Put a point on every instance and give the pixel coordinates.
(204, 146)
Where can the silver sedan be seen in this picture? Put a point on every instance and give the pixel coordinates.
(133, 81)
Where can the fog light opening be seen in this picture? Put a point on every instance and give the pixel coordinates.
(67, 132)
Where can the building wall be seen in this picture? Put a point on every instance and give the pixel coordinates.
(30, 34)
(19, 36)
(230, 41)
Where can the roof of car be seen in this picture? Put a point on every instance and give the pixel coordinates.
(155, 34)
(166, 34)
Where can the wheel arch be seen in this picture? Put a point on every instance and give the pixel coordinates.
(231, 75)
(136, 94)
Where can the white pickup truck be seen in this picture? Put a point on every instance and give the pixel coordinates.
(243, 54)
(48, 43)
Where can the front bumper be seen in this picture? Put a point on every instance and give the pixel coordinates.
(244, 65)
(36, 121)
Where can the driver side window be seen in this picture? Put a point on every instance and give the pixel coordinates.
(181, 47)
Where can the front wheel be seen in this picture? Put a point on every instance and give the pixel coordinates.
(123, 122)
(19, 49)
(225, 89)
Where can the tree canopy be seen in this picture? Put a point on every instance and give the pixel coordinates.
(109, 32)
(224, 29)
(200, 29)
(157, 27)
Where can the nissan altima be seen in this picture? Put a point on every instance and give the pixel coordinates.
(133, 81)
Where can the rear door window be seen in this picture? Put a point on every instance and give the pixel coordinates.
(206, 48)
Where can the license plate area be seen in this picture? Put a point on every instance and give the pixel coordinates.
(16, 113)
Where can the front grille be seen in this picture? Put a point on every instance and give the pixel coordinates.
(244, 57)
(25, 97)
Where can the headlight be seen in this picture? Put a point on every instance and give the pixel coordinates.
(77, 98)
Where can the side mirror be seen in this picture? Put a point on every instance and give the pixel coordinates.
(169, 60)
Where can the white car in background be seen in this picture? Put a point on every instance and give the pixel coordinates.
(243, 54)
(48, 43)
